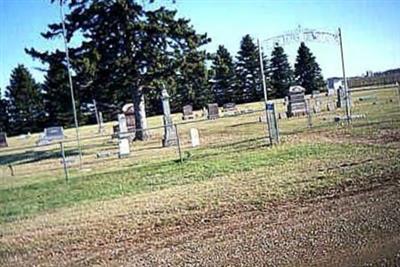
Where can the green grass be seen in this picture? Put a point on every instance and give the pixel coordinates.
(233, 151)
(206, 164)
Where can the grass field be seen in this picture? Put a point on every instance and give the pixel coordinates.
(149, 209)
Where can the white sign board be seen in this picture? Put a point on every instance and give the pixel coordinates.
(194, 137)
(123, 145)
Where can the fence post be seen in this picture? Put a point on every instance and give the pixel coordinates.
(398, 92)
(64, 162)
(309, 116)
(178, 142)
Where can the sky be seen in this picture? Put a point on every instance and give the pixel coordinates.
(370, 29)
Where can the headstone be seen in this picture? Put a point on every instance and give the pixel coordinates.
(3, 140)
(129, 112)
(229, 109)
(213, 111)
(194, 137)
(282, 115)
(188, 112)
(204, 112)
(297, 102)
(170, 137)
(123, 147)
(330, 105)
(122, 126)
(54, 133)
(317, 102)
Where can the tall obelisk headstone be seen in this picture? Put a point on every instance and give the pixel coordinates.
(169, 138)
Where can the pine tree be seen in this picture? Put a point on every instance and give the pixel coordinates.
(25, 102)
(192, 81)
(248, 72)
(132, 51)
(56, 95)
(307, 71)
(223, 86)
(281, 73)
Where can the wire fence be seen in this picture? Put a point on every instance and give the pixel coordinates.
(230, 134)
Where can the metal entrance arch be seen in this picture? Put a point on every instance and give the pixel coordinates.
(308, 35)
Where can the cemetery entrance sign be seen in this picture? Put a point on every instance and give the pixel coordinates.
(312, 35)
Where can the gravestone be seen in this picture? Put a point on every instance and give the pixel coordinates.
(169, 138)
(204, 112)
(188, 112)
(129, 112)
(212, 111)
(194, 137)
(54, 133)
(330, 105)
(50, 134)
(282, 115)
(123, 147)
(3, 140)
(317, 101)
(297, 102)
(230, 109)
(122, 125)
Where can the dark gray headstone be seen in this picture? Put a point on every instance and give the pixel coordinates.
(213, 111)
(297, 101)
(3, 140)
(188, 112)
(54, 133)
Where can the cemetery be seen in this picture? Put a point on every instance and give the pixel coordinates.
(140, 147)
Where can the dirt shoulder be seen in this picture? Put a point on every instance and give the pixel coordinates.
(353, 227)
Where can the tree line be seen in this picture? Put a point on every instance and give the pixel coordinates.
(127, 54)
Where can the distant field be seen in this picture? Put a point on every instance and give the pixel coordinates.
(227, 196)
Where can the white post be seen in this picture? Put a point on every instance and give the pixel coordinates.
(71, 84)
(265, 91)
(346, 89)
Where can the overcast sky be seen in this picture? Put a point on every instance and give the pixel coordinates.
(371, 29)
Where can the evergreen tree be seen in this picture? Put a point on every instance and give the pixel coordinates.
(223, 80)
(25, 107)
(248, 72)
(130, 51)
(56, 95)
(192, 81)
(307, 71)
(281, 73)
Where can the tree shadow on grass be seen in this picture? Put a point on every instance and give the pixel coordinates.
(34, 156)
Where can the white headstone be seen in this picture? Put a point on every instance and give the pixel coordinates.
(123, 145)
(122, 123)
(194, 137)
